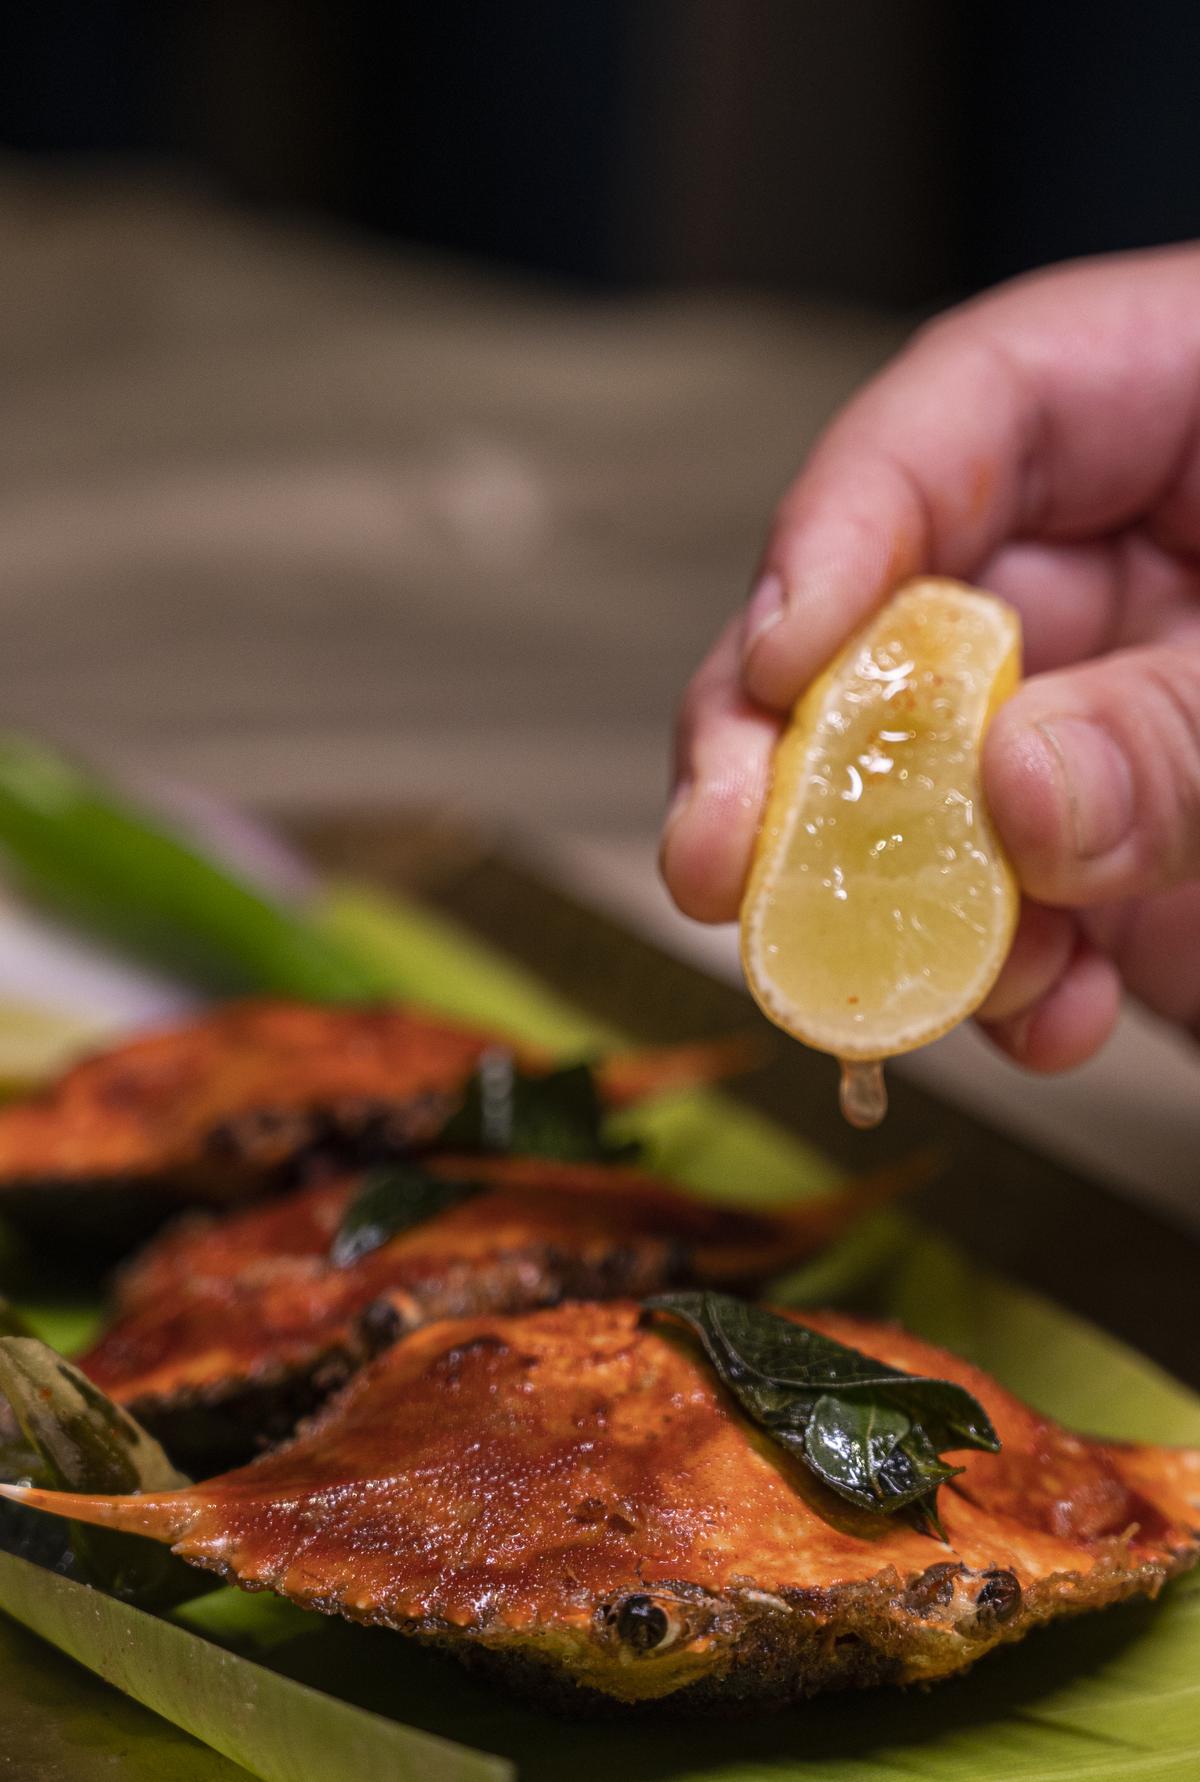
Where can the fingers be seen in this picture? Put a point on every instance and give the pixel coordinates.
(1057, 999)
(1154, 944)
(1060, 407)
(1092, 776)
(722, 763)
(922, 471)
(1070, 1022)
(1044, 440)
(1080, 599)
(1042, 949)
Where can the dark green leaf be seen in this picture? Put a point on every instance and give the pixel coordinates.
(510, 1112)
(86, 1442)
(870, 1452)
(505, 1112)
(80, 1441)
(853, 1442)
(392, 1199)
(870, 1432)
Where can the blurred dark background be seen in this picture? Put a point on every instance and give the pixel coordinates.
(894, 151)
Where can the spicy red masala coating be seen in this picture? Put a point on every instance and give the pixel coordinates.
(217, 1309)
(207, 1107)
(573, 1492)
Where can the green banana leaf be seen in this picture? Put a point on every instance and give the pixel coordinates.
(62, 1725)
(276, 1728)
(78, 847)
(1104, 1699)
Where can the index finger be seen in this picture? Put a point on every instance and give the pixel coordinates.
(1061, 407)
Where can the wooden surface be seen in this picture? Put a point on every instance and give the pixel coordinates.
(303, 519)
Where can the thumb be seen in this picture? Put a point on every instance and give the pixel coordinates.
(1092, 776)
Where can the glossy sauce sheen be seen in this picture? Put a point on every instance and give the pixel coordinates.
(212, 1303)
(516, 1478)
(154, 1105)
(150, 1105)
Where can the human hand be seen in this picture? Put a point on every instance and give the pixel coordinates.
(1043, 442)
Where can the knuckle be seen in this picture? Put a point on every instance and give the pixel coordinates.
(1164, 719)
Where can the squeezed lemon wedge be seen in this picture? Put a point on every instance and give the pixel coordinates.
(880, 905)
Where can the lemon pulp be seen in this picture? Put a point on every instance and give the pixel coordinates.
(880, 905)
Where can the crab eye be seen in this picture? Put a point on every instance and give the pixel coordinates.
(645, 1626)
(1000, 1597)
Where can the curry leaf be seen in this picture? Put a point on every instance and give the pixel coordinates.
(80, 1441)
(870, 1451)
(558, 1113)
(505, 1111)
(390, 1201)
(870, 1432)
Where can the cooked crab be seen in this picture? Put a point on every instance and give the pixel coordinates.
(228, 1330)
(572, 1492)
(209, 1110)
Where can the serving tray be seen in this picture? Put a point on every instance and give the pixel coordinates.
(1111, 1696)
(1124, 1266)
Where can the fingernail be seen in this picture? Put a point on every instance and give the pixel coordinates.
(677, 804)
(763, 610)
(1097, 783)
(1012, 1035)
